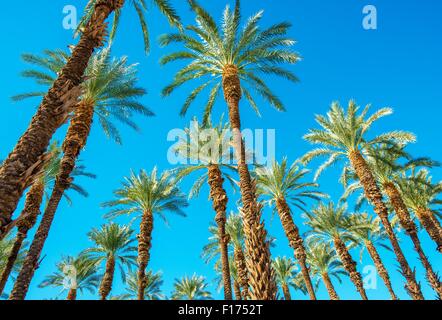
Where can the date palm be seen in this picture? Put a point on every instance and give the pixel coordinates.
(343, 137)
(7, 246)
(233, 274)
(191, 288)
(285, 271)
(73, 274)
(329, 224)
(151, 292)
(233, 60)
(282, 186)
(113, 246)
(146, 195)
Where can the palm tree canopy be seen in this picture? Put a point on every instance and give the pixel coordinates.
(322, 259)
(111, 85)
(285, 270)
(211, 49)
(153, 288)
(191, 288)
(6, 245)
(152, 192)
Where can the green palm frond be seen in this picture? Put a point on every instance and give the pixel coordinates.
(153, 286)
(191, 288)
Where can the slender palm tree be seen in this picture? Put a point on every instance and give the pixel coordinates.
(227, 58)
(6, 247)
(233, 274)
(26, 157)
(329, 223)
(285, 270)
(145, 195)
(113, 245)
(152, 291)
(343, 136)
(73, 274)
(191, 288)
(325, 264)
(282, 185)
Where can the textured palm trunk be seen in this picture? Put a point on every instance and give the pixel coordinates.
(219, 199)
(75, 140)
(350, 266)
(408, 224)
(26, 157)
(374, 196)
(72, 294)
(286, 291)
(30, 212)
(431, 225)
(144, 245)
(241, 269)
(382, 271)
(329, 285)
(296, 242)
(237, 290)
(261, 276)
(108, 278)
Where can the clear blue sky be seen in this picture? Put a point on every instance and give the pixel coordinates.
(397, 65)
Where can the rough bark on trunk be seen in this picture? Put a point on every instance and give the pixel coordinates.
(108, 278)
(431, 225)
(241, 269)
(26, 157)
(72, 294)
(219, 199)
(329, 285)
(286, 291)
(296, 242)
(382, 271)
(144, 245)
(350, 266)
(408, 224)
(374, 196)
(237, 290)
(261, 276)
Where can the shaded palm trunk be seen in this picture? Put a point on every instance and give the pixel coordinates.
(329, 285)
(144, 245)
(296, 242)
(30, 212)
(286, 291)
(410, 227)
(350, 266)
(382, 271)
(431, 225)
(237, 290)
(72, 294)
(374, 196)
(75, 140)
(241, 269)
(219, 199)
(261, 277)
(108, 278)
(22, 162)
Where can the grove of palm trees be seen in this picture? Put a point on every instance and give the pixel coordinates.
(220, 150)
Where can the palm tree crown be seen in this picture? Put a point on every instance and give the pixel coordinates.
(285, 270)
(191, 288)
(153, 286)
(323, 259)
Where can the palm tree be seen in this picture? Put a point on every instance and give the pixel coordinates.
(145, 195)
(114, 246)
(61, 98)
(191, 288)
(325, 264)
(329, 223)
(151, 292)
(7, 245)
(222, 57)
(73, 274)
(285, 270)
(232, 270)
(343, 137)
(282, 186)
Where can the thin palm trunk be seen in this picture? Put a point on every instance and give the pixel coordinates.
(241, 269)
(261, 277)
(26, 157)
(350, 266)
(431, 225)
(219, 198)
(374, 196)
(286, 291)
(410, 227)
(72, 294)
(237, 290)
(380, 267)
(108, 278)
(144, 245)
(329, 285)
(296, 242)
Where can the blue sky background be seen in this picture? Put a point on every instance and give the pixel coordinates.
(397, 65)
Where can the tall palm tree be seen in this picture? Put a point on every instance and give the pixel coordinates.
(285, 271)
(329, 223)
(343, 136)
(145, 195)
(325, 264)
(113, 245)
(283, 185)
(151, 292)
(233, 274)
(73, 274)
(227, 58)
(61, 98)
(191, 288)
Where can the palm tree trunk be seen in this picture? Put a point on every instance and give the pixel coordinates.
(296, 242)
(374, 196)
(108, 278)
(27, 155)
(408, 224)
(350, 266)
(144, 245)
(237, 290)
(431, 225)
(261, 277)
(383, 273)
(241, 269)
(329, 285)
(219, 199)
(72, 295)
(286, 291)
